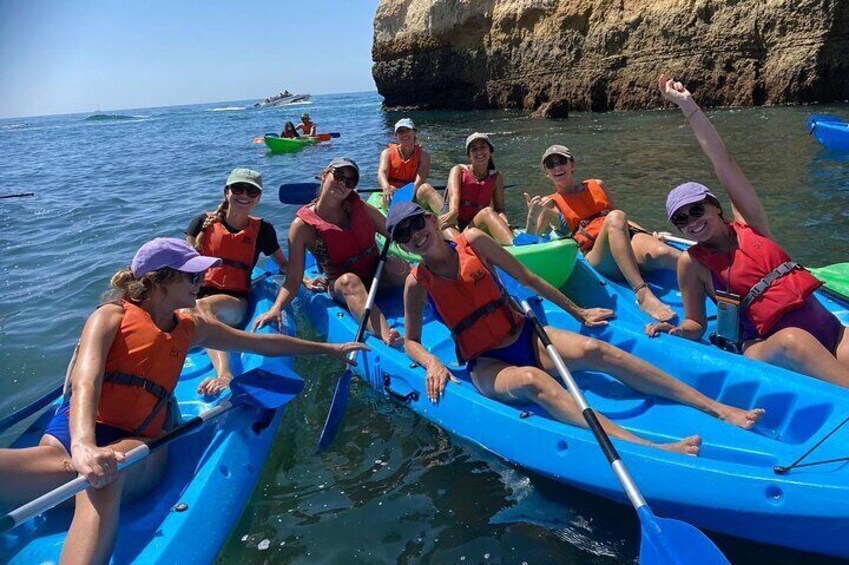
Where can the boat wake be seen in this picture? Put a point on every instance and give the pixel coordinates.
(226, 109)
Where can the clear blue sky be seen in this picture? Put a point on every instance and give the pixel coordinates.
(63, 56)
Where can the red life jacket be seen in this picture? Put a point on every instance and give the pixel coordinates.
(473, 306)
(340, 250)
(475, 195)
(584, 211)
(237, 252)
(755, 257)
(403, 171)
(142, 369)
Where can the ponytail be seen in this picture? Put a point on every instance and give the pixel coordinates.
(217, 216)
(125, 285)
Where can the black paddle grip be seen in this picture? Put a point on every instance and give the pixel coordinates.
(603, 441)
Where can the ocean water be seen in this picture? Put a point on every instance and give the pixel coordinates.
(393, 488)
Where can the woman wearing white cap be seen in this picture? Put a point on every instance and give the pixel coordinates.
(476, 194)
(405, 162)
(611, 243)
(130, 356)
(769, 311)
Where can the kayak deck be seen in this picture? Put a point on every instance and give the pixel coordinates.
(287, 145)
(209, 478)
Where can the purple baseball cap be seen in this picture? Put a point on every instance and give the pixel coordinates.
(684, 194)
(170, 252)
(400, 212)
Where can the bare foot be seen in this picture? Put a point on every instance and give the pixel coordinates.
(393, 338)
(746, 419)
(688, 446)
(653, 307)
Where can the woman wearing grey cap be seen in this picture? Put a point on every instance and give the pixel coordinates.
(405, 162)
(767, 307)
(615, 246)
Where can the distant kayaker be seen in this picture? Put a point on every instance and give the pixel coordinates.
(475, 194)
(130, 356)
(338, 228)
(508, 363)
(234, 235)
(615, 246)
(767, 309)
(405, 162)
(307, 126)
(289, 131)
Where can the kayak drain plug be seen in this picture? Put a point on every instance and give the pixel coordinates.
(181, 507)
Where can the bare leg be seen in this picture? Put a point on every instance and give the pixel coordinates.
(653, 254)
(586, 353)
(613, 256)
(798, 350)
(31, 472)
(510, 384)
(227, 310)
(489, 221)
(429, 197)
(350, 291)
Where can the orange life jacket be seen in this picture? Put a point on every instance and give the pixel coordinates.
(237, 252)
(584, 211)
(755, 257)
(475, 195)
(403, 171)
(473, 306)
(142, 369)
(340, 250)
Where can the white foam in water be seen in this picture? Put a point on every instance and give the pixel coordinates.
(226, 109)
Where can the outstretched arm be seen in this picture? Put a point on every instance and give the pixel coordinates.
(424, 169)
(437, 373)
(746, 205)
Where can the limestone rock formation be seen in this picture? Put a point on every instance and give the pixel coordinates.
(606, 54)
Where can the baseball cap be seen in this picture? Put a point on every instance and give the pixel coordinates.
(247, 176)
(342, 162)
(478, 135)
(556, 150)
(170, 252)
(400, 212)
(404, 123)
(305, 115)
(684, 194)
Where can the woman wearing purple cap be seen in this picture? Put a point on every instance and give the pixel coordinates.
(765, 302)
(129, 359)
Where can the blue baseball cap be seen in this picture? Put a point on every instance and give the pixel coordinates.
(683, 194)
(400, 212)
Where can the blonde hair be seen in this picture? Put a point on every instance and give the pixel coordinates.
(125, 285)
(217, 216)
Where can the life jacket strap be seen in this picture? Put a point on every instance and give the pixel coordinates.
(149, 386)
(762, 285)
(484, 310)
(236, 264)
(584, 223)
(356, 258)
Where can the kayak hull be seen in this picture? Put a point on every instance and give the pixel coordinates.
(210, 476)
(731, 488)
(551, 260)
(830, 131)
(287, 145)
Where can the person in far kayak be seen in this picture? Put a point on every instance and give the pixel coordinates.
(613, 244)
(475, 194)
(130, 356)
(766, 304)
(307, 126)
(405, 162)
(338, 228)
(289, 131)
(507, 362)
(234, 235)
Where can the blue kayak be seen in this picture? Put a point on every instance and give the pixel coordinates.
(831, 131)
(210, 475)
(731, 487)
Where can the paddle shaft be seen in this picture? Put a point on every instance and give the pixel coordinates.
(619, 469)
(60, 494)
(19, 195)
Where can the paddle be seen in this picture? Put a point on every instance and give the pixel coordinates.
(19, 195)
(319, 137)
(256, 387)
(663, 540)
(305, 192)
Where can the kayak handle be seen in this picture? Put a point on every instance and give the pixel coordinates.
(412, 396)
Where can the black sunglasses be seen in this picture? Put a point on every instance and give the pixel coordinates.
(339, 176)
(681, 219)
(196, 278)
(404, 231)
(552, 162)
(249, 189)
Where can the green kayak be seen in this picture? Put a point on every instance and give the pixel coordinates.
(287, 145)
(551, 260)
(835, 277)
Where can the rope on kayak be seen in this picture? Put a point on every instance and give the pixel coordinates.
(780, 470)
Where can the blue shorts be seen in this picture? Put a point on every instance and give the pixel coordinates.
(59, 427)
(520, 353)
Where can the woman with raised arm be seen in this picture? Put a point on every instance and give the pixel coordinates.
(130, 357)
(768, 310)
(507, 361)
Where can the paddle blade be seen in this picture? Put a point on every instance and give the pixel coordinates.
(337, 410)
(404, 194)
(666, 542)
(298, 192)
(323, 137)
(265, 389)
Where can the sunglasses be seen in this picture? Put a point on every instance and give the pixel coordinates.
(249, 189)
(404, 231)
(339, 176)
(196, 278)
(550, 163)
(681, 219)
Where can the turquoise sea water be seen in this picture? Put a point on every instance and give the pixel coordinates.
(393, 488)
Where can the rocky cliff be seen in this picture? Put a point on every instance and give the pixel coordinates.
(606, 54)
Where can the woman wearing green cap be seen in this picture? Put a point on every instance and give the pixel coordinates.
(768, 310)
(237, 237)
(130, 356)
